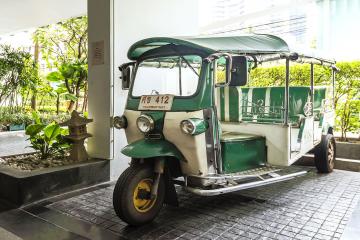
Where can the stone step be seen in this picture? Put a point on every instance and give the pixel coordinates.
(340, 163)
(348, 150)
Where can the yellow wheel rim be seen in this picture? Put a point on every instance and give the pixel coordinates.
(141, 203)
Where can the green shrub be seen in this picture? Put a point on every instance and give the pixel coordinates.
(15, 118)
(47, 139)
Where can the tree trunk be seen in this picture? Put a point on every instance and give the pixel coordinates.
(36, 61)
(57, 104)
(71, 106)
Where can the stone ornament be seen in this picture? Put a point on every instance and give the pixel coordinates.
(77, 135)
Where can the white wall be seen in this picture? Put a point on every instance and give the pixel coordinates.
(132, 21)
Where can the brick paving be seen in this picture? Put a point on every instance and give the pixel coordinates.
(311, 207)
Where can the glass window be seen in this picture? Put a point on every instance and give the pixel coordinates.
(176, 75)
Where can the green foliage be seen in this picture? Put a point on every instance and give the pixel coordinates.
(47, 139)
(15, 118)
(64, 46)
(348, 117)
(63, 42)
(17, 72)
(299, 75)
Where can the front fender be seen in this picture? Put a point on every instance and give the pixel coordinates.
(147, 148)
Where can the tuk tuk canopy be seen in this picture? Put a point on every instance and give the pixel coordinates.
(245, 44)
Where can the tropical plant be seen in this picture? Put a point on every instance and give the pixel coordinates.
(70, 79)
(64, 46)
(47, 139)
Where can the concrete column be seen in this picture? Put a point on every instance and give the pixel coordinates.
(100, 77)
(119, 24)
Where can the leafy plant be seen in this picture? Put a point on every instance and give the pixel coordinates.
(47, 139)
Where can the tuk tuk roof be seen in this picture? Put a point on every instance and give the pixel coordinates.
(244, 44)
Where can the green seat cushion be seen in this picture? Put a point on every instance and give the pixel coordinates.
(260, 104)
(232, 136)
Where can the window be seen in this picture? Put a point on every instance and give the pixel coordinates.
(176, 75)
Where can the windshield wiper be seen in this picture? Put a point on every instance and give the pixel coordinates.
(193, 69)
(186, 61)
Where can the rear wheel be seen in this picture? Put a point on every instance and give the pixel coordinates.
(132, 195)
(325, 154)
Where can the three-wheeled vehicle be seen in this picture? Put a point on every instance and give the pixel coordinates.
(190, 120)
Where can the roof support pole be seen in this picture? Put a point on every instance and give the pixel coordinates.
(180, 80)
(287, 80)
(333, 73)
(312, 87)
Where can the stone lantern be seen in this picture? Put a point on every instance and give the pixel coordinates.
(77, 135)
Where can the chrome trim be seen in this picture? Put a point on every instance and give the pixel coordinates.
(192, 122)
(213, 192)
(150, 119)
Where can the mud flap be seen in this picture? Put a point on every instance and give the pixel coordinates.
(170, 191)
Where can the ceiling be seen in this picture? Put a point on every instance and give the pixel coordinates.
(18, 15)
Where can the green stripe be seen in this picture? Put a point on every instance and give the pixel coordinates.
(233, 104)
(222, 104)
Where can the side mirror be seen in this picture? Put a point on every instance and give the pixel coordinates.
(222, 67)
(239, 71)
(126, 70)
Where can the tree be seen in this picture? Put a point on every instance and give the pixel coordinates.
(64, 46)
(18, 73)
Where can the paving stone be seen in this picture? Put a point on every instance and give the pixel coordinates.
(311, 207)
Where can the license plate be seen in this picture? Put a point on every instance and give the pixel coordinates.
(156, 102)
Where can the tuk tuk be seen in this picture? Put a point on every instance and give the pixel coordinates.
(192, 119)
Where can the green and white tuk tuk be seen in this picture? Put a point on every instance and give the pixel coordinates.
(190, 120)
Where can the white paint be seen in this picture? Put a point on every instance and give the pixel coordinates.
(249, 101)
(240, 103)
(226, 103)
(267, 101)
(132, 132)
(192, 147)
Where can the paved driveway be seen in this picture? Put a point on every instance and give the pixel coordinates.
(311, 207)
(12, 143)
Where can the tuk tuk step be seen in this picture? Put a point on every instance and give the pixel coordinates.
(258, 173)
(242, 186)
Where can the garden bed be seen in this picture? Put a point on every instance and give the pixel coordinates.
(20, 187)
(32, 161)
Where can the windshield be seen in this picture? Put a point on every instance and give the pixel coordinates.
(175, 75)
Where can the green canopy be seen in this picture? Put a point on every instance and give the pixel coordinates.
(245, 44)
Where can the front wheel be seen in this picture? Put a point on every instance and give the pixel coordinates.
(132, 195)
(325, 154)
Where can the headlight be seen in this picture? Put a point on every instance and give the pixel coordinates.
(187, 126)
(145, 123)
(194, 126)
(120, 122)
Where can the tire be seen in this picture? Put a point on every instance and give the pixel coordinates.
(325, 154)
(131, 208)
